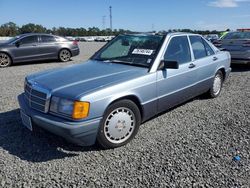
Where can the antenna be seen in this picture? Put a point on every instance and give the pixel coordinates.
(110, 17)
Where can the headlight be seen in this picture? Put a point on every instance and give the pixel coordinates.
(73, 109)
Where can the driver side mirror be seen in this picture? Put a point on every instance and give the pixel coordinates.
(17, 43)
(165, 64)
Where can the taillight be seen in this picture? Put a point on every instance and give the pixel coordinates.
(246, 44)
(75, 42)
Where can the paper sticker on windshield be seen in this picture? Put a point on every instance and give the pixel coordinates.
(143, 51)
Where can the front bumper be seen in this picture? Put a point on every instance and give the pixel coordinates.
(81, 133)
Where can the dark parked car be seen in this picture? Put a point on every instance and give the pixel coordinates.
(238, 44)
(36, 46)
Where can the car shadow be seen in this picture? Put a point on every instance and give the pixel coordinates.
(240, 67)
(38, 146)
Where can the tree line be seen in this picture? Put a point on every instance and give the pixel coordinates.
(12, 29)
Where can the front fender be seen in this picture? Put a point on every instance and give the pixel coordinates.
(143, 89)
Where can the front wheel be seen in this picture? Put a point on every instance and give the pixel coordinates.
(64, 55)
(119, 125)
(215, 89)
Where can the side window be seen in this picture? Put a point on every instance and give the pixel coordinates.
(46, 38)
(29, 40)
(209, 50)
(178, 50)
(198, 47)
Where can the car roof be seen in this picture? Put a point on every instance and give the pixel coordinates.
(161, 34)
(181, 33)
(31, 34)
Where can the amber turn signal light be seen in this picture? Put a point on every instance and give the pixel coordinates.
(81, 110)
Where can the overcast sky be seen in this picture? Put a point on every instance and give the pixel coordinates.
(137, 15)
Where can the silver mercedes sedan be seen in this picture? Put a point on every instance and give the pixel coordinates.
(128, 81)
(36, 46)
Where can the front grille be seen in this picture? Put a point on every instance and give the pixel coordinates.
(37, 98)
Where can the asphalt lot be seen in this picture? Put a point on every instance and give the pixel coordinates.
(192, 145)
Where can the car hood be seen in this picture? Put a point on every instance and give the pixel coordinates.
(76, 80)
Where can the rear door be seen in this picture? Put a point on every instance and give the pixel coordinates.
(176, 85)
(205, 60)
(48, 47)
(27, 49)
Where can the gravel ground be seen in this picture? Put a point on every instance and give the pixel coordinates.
(192, 145)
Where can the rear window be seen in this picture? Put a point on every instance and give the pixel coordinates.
(61, 39)
(198, 47)
(208, 48)
(46, 38)
(237, 35)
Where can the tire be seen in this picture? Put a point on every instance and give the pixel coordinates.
(119, 125)
(64, 55)
(216, 87)
(5, 60)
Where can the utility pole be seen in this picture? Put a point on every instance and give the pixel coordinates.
(110, 17)
(153, 27)
(104, 22)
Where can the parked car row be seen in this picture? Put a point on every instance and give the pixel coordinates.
(128, 81)
(91, 38)
(35, 46)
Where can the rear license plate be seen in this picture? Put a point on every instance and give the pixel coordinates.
(26, 120)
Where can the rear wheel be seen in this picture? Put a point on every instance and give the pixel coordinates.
(5, 60)
(215, 90)
(120, 124)
(64, 55)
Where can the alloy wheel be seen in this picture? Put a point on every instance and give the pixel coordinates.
(65, 55)
(4, 60)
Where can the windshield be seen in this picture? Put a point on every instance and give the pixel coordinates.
(137, 50)
(12, 39)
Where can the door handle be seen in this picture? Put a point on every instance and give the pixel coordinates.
(191, 65)
(34, 44)
(215, 58)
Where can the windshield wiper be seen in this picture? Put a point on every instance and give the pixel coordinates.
(126, 63)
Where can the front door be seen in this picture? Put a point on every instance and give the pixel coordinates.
(26, 49)
(176, 85)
